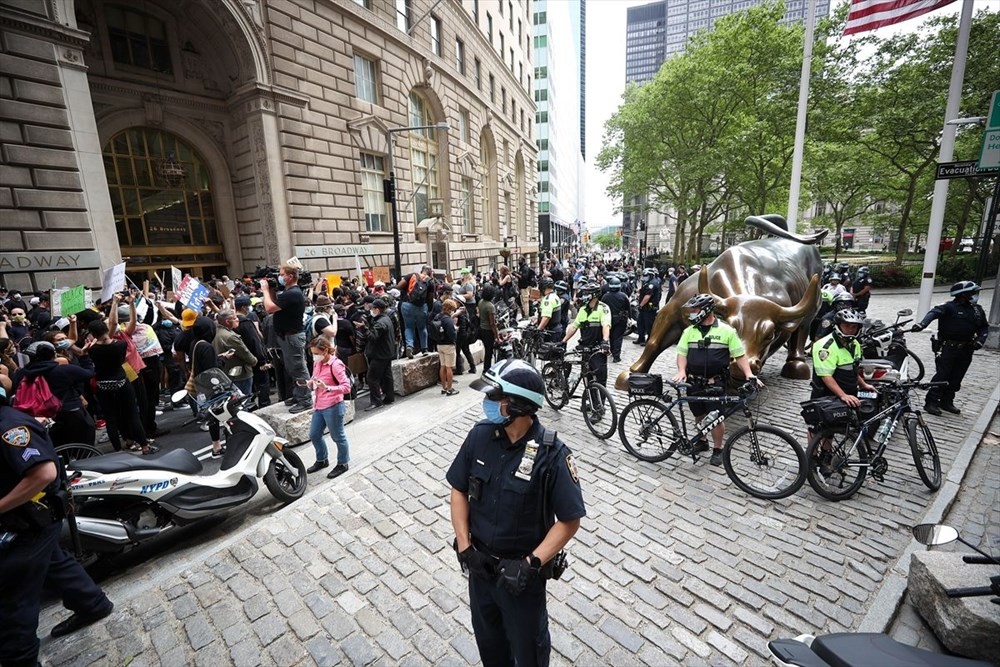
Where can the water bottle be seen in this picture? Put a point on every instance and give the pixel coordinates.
(883, 431)
(710, 420)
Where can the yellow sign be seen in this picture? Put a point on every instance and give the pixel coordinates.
(332, 281)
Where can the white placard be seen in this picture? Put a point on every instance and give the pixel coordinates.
(114, 281)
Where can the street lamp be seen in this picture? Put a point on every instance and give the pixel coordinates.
(389, 186)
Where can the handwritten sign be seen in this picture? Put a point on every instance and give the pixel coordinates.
(381, 273)
(114, 281)
(71, 301)
(175, 277)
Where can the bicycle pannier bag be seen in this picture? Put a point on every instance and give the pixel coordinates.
(550, 351)
(645, 384)
(826, 411)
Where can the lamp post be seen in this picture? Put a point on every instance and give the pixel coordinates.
(389, 186)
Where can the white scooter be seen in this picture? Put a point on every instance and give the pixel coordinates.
(123, 500)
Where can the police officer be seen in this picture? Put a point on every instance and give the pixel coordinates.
(962, 329)
(861, 289)
(562, 290)
(703, 355)
(619, 305)
(649, 303)
(550, 311)
(836, 360)
(515, 503)
(32, 505)
(594, 323)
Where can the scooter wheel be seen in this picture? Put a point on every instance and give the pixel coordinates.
(284, 484)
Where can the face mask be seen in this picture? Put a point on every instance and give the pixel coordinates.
(18, 318)
(167, 324)
(492, 411)
(64, 344)
(975, 298)
(318, 358)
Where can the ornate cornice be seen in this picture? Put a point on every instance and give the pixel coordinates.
(142, 92)
(54, 32)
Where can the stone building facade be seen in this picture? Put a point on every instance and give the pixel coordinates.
(218, 135)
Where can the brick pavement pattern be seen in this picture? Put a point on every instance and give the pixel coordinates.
(672, 565)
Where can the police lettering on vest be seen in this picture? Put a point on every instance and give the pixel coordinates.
(709, 348)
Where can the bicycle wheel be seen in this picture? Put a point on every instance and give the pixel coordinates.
(838, 472)
(75, 451)
(599, 411)
(925, 453)
(765, 462)
(648, 430)
(914, 367)
(556, 391)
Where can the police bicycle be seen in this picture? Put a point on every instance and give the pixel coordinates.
(526, 348)
(762, 460)
(847, 445)
(562, 374)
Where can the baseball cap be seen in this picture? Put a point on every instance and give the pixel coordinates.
(380, 304)
(242, 301)
(465, 271)
(188, 318)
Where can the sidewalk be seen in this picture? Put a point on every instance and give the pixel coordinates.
(673, 564)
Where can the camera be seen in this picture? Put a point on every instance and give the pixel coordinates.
(271, 274)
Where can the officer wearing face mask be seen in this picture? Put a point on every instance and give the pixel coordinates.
(515, 503)
(962, 329)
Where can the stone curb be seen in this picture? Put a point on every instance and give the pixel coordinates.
(883, 610)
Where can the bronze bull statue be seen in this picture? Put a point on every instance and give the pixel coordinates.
(767, 289)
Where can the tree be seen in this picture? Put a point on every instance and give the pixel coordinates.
(608, 240)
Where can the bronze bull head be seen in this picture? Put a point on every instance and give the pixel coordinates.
(768, 290)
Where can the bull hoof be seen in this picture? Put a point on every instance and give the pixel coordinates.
(796, 370)
(621, 383)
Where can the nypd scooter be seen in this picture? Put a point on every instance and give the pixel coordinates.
(122, 500)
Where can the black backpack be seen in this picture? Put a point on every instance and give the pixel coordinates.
(435, 328)
(417, 292)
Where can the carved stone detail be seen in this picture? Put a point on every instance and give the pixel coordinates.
(153, 106)
(368, 134)
(264, 201)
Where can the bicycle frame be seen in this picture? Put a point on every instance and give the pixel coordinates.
(896, 411)
(728, 406)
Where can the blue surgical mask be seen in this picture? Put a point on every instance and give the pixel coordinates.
(64, 344)
(166, 324)
(492, 411)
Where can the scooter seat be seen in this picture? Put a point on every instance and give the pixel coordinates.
(176, 460)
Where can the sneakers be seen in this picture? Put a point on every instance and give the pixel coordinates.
(289, 402)
(300, 407)
(450, 392)
(339, 470)
(950, 407)
(617, 360)
(409, 352)
(701, 445)
(716, 457)
(933, 408)
(373, 406)
(203, 426)
(219, 454)
(316, 467)
(825, 463)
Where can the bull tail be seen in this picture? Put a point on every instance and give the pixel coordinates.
(775, 225)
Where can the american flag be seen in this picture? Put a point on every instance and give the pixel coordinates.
(870, 14)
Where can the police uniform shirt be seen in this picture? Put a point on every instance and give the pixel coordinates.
(861, 302)
(505, 510)
(959, 322)
(832, 360)
(619, 305)
(551, 307)
(591, 323)
(709, 349)
(652, 290)
(23, 445)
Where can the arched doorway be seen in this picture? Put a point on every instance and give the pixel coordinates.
(163, 206)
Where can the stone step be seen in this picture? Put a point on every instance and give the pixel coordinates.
(294, 428)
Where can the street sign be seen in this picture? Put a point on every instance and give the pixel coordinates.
(989, 155)
(947, 170)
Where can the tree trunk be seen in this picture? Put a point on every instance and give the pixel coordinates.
(904, 222)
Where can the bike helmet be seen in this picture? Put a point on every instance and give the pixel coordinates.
(546, 283)
(614, 284)
(590, 290)
(964, 287)
(846, 316)
(561, 286)
(700, 306)
(835, 276)
(517, 381)
(41, 350)
(863, 271)
(842, 300)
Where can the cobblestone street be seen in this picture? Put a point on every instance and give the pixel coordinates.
(672, 565)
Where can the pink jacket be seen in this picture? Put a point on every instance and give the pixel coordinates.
(333, 374)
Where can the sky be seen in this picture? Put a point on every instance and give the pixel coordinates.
(606, 83)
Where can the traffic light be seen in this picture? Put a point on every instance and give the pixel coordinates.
(620, 233)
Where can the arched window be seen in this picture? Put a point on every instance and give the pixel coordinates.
(423, 157)
(488, 184)
(520, 208)
(161, 197)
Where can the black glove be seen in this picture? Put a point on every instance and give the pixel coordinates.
(515, 574)
(606, 347)
(917, 327)
(977, 345)
(476, 562)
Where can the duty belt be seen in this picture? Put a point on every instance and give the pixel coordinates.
(546, 571)
(959, 344)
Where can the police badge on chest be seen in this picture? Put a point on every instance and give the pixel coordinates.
(527, 463)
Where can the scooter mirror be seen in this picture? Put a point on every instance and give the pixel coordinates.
(179, 397)
(933, 534)
(906, 312)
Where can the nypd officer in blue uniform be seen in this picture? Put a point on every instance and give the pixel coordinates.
(962, 329)
(32, 505)
(515, 503)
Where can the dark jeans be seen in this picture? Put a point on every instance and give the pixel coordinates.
(951, 364)
(644, 325)
(510, 629)
(462, 348)
(73, 426)
(35, 559)
(599, 364)
(617, 335)
(121, 415)
(150, 379)
(262, 387)
(380, 383)
(486, 335)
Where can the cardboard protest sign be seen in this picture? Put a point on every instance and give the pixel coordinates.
(72, 301)
(114, 281)
(381, 273)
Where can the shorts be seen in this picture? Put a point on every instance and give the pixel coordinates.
(701, 408)
(446, 355)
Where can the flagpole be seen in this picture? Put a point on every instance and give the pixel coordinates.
(946, 154)
(800, 119)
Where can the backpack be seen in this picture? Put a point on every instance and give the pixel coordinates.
(416, 292)
(36, 398)
(435, 328)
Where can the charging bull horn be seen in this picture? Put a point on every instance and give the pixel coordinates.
(766, 289)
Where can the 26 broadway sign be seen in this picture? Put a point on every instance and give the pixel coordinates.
(49, 261)
(345, 250)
